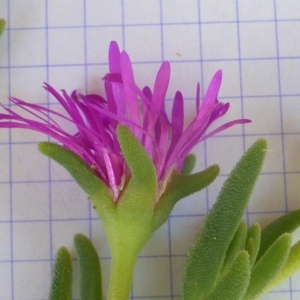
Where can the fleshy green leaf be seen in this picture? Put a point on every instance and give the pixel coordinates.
(269, 265)
(181, 186)
(234, 283)
(90, 270)
(2, 26)
(291, 266)
(285, 224)
(81, 172)
(206, 257)
(61, 288)
(140, 195)
(188, 164)
(237, 244)
(253, 242)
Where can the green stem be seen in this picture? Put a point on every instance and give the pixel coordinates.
(126, 235)
(122, 269)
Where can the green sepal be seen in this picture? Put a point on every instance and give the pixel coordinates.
(285, 224)
(90, 269)
(253, 242)
(2, 26)
(236, 245)
(188, 164)
(61, 287)
(180, 186)
(234, 283)
(291, 266)
(81, 172)
(269, 265)
(140, 194)
(206, 257)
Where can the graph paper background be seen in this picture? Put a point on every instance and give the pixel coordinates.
(255, 43)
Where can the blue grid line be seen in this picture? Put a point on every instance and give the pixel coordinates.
(10, 165)
(49, 161)
(281, 122)
(123, 25)
(177, 61)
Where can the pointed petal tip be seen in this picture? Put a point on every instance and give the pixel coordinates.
(218, 75)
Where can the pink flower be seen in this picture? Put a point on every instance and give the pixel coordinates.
(96, 119)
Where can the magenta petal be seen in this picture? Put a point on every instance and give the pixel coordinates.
(161, 85)
(198, 98)
(114, 58)
(128, 80)
(177, 115)
(224, 127)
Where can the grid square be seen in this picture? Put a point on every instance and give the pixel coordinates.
(268, 194)
(289, 76)
(191, 205)
(4, 54)
(65, 13)
(290, 114)
(151, 37)
(21, 15)
(293, 190)
(5, 281)
(258, 110)
(253, 10)
(30, 195)
(31, 167)
(5, 163)
(262, 36)
(32, 84)
(68, 52)
(5, 196)
(136, 12)
(219, 41)
(189, 11)
(288, 9)
(217, 11)
(259, 77)
(178, 44)
(223, 153)
(27, 288)
(4, 91)
(150, 273)
(33, 51)
(31, 240)
(289, 37)
(291, 153)
(104, 12)
(68, 201)
(59, 78)
(181, 242)
(98, 40)
(5, 236)
(158, 245)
